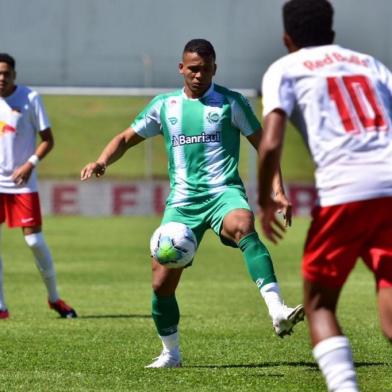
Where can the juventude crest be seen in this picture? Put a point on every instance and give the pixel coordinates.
(213, 117)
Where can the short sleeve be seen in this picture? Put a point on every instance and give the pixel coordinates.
(148, 122)
(40, 118)
(385, 77)
(277, 90)
(243, 116)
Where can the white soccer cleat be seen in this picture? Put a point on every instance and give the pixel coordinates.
(166, 359)
(284, 323)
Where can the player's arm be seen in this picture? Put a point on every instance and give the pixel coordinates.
(113, 151)
(276, 188)
(46, 144)
(277, 181)
(270, 150)
(22, 173)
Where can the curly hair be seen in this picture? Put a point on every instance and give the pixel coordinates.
(309, 22)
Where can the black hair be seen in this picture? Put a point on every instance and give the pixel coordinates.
(309, 22)
(6, 58)
(202, 47)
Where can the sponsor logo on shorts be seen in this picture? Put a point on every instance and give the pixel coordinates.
(26, 220)
(181, 140)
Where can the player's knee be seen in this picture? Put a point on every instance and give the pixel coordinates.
(164, 287)
(241, 229)
(156, 287)
(237, 224)
(162, 290)
(34, 240)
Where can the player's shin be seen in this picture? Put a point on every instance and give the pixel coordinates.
(261, 270)
(166, 315)
(43, 259)
(336, 363)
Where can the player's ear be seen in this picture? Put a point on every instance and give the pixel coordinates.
(286, 40)
(289, 43)
(181, 67)
(215, 68)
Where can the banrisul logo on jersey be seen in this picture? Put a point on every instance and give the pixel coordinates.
(181, 140)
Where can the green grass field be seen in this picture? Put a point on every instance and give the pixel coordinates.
(227, 340)
(83, 125)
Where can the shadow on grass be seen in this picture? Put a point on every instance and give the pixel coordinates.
(311, 365)
(114, 316)
(259, 365)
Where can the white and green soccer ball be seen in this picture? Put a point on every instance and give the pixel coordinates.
(173, 245)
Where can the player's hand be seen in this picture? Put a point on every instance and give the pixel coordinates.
(21, 174)
(271, 225)
(92, 168)
(284, 207)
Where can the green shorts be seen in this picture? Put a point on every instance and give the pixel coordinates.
(208, 213)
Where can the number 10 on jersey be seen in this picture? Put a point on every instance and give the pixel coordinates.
(357, 103)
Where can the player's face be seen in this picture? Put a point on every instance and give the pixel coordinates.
(198, 73)
(7, 80)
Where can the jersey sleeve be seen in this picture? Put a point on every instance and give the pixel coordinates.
(39, 117)
(148, 122)
(385, 76)
(277, 90)
(243, 116)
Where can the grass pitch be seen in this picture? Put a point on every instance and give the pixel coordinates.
(227, 340)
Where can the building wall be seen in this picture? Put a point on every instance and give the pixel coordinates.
(134, 43)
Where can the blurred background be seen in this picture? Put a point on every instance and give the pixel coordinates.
(98, 62)
(130, 43)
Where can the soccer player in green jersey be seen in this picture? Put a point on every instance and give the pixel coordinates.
(201, 125)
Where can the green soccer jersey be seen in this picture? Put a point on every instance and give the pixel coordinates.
(202, 139)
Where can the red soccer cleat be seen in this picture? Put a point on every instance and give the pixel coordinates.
(64, 310)
(4, 314)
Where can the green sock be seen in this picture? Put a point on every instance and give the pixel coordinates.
(165, 313)
(257, 260)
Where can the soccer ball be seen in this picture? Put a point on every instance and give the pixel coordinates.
(173, 245)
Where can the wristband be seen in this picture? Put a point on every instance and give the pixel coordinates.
(33, 160)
